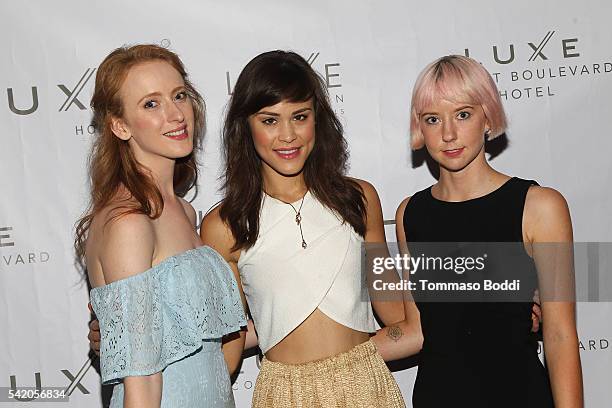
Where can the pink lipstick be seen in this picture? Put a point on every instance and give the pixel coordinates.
(288, 154)
(453, 152)
(178, 134)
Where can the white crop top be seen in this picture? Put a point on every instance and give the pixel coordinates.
(284, 283)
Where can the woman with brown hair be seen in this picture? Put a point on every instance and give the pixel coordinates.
(292, 224)
(163, 300)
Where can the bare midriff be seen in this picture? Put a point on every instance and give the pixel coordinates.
(316, 338)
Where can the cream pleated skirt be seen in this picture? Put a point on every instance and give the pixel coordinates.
(358, 378)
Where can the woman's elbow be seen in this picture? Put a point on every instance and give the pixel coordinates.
(143, 390)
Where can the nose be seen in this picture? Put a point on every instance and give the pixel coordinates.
(287, 133)
(449, 132)
(174, 113)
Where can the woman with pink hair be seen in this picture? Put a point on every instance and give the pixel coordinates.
(478, 351)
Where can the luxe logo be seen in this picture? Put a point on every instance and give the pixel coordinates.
(568, 46)
(329, 74)
(587, 345)
(4, 237)
(74, 382)
(551, 59)
(593, 344)
(31, 109)
(70, 93)
(11, 258)
(72, 96)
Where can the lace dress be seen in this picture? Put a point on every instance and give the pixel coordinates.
(171, 318)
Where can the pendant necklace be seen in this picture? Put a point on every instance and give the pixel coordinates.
(298, 218)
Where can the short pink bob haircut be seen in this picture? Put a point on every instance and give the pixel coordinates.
(456, 78)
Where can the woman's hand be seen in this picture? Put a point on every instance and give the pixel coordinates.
(536, 313)
(94, 333)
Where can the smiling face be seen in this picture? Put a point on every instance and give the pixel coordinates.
(283, 136)
(158, 118)
(453, 132)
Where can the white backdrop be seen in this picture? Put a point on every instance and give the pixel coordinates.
(552, 61)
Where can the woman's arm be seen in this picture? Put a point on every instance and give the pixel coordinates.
(127, 250)
(251, 336)
(215, 233)
(142, 391)
(401, 336)
(549, 231)
(94, 333)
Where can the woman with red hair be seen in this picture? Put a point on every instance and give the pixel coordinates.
(163, 300)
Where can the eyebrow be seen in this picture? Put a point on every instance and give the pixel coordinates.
(159, 93)
(465, 107)
(456, 110)
(276, 114)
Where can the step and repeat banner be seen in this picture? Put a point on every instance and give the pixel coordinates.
(552, 62)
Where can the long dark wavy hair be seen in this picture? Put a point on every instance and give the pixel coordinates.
(112, 164)
(268, 79)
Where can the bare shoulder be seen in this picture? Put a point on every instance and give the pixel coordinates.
(126, 244)
(545, 201)
(399, 220)
(399, 213)
(213, 223)
(129, 224)
(547, 216)
(217, 234)
(189, 210)
(369, 191)
(366, 186)
(375, 230)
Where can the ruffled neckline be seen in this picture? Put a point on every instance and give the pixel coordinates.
(171, 260)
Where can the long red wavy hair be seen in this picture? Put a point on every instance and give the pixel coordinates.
(111, 162)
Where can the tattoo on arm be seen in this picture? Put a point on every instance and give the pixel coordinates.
(394, 333)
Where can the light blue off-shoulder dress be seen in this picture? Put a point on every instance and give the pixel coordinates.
(171, 318)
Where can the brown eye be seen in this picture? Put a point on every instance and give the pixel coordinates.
(463, 115)
(181, 96)
(150, 104)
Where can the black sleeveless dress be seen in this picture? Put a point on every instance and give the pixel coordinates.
(477, 354)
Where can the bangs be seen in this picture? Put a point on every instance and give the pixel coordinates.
(457, 79)
(444, 81)
(277, 83)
